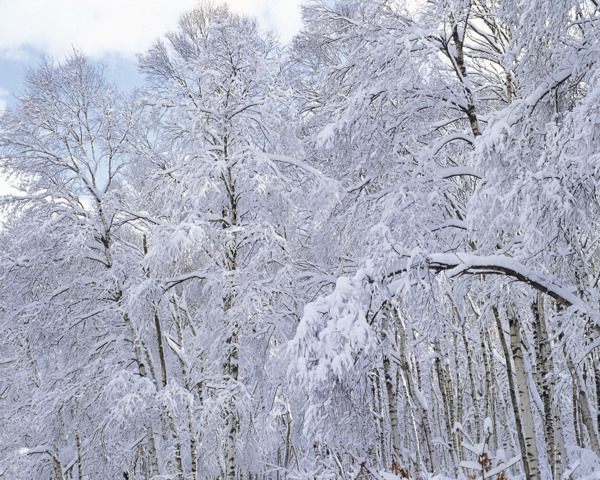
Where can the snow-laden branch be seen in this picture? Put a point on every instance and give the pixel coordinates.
(300, 165)
(455, 264)
(172, 282)
(441, 143)
(462, 171)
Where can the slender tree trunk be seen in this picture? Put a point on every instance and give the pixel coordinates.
(459, 416)
(423, 431)
(580, 394)
(390, 375)
(489, 393)
(392, 391)
(474, 389)
(523, 389)
(458, 63)
(232, 420)
(597, 387)
(79, 462)
(288, 440)
(448, 408)
(58, 471)
(163, 371)
(379, 418)
(513, 394)
(154, 471)
(187, 385)
(545, 379)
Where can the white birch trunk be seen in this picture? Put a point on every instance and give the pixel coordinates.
(546, 384)
(586, 412)
(525, 402)
(513, 395)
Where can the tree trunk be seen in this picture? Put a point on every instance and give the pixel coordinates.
(232, 420)
(446, 402)
(474, 389)
(187, 385)
(513, 393)
(545, 382)
(392, 392)
(423, 429)
(79, 462)
(58, 471)
(523, 389)
(586, 414)
(154, 471)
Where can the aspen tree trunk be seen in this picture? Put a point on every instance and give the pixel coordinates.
(448, 416)
(447, 392)
(459, 399)
(458, 63)
(391, 391)
(410, 411)
(288, 440)
(58, 471)
(154, 471)
(597, 387)
(513, 393)
(439, 424)
(474, 389)
(488, 396)
(232, 421)
(186, 383)
(424, 428)
(232, 363)
(377, 379)
(164, 382)
(579, 392)
(575, 414)
(545, 381)
(163, 371)
(232, 370)
(79, 463)
(523, 389)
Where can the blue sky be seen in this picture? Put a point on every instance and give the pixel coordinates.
(109, 31)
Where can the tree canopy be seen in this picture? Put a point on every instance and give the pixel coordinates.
(371, 254)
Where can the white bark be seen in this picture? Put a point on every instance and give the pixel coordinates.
(524, 399)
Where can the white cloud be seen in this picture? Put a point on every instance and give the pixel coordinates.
(124, 27)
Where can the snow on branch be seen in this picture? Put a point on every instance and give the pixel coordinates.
(462, 171)
(286, 160)
(172, 282)
(455, 264)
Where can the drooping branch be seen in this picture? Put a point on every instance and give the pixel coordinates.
(460, 263)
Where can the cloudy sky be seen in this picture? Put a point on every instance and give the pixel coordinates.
(111, 31)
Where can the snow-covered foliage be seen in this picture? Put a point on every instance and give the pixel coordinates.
(372, 254)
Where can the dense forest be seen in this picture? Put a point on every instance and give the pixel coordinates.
(372, 254)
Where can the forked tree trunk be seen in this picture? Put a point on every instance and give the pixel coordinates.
(163, 374)
(143, 373)
(186, 383)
